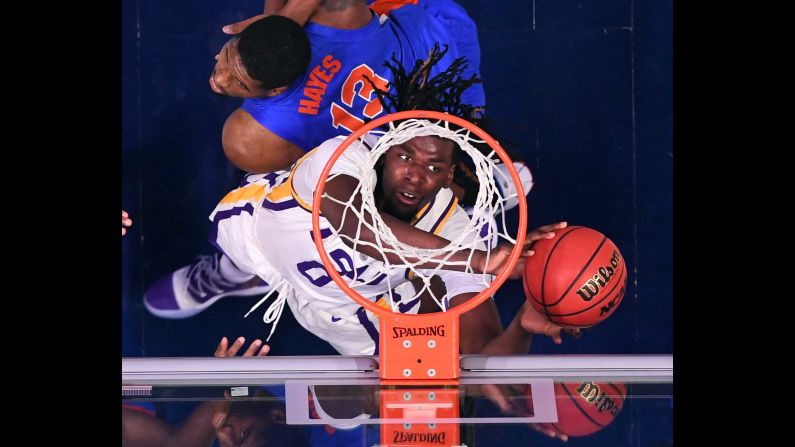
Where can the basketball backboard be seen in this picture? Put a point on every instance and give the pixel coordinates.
(500, 400)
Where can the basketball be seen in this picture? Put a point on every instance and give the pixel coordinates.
(586, 407)
(577, 279)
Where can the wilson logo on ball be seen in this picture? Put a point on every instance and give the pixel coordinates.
(597, 397)
(591, 288)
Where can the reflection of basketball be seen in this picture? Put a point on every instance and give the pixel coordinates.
(577, 278)
(587, 407)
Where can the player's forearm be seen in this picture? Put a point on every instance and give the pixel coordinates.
(273, 6)
(299, 10)
(359, 229)
(479, 326)
(514, 340)
(406, 234)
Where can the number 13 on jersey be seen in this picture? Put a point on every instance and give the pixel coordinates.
(357, 84)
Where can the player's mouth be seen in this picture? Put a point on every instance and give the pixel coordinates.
(408, 198)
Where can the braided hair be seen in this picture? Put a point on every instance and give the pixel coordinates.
(417, 90)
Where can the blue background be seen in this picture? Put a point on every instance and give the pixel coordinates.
(582, 90)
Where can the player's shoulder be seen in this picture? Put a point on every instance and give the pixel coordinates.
(283, 102)
(358, 148)
(326, 149)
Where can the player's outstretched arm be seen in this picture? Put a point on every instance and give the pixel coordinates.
(500, 255)
(298, 10)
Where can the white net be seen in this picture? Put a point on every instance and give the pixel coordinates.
(486, 226)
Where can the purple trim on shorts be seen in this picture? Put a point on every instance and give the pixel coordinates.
(403, 307)
(368, 326)
(221, 215)
(484, 230)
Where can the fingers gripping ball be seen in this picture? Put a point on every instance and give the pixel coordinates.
(577, 279)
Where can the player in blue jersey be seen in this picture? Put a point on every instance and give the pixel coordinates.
(448, 12)
(328, 96)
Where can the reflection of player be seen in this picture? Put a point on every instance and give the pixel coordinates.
(255, 423)
(411, 175)
(231, 422)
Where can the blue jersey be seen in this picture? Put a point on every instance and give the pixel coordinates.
(455, 20)
(333, 97)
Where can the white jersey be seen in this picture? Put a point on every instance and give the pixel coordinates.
(265, 227)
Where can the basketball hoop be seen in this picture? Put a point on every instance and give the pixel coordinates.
(425, 347)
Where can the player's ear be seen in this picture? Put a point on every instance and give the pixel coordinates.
(450, 175)
(380, 162)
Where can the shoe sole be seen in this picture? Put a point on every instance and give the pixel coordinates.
(179, 314)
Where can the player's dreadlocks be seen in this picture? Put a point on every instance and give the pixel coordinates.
(416, 90)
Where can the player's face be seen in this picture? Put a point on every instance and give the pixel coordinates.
(229, 76)
(414, 172)
(246, 425)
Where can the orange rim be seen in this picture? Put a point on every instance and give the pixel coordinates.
(321, 186)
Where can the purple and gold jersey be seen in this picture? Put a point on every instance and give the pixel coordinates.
(280, 203)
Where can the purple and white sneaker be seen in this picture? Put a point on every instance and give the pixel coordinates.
(193, 288)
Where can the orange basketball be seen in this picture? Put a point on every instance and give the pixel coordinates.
(586, 407)
(577, 279)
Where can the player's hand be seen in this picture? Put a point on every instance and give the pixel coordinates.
(510, 398)
(224, 350)
(125, 222)
(499, 255)
(534, 322)
(548, 432)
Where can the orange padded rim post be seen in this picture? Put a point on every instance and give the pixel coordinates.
(421, 406)
(432, 351)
